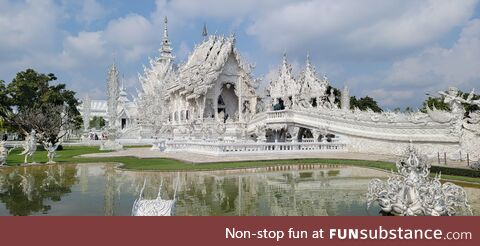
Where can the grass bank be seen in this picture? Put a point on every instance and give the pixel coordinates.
(69, 154)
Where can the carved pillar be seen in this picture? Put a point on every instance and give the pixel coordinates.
(275, 135)
(201, 106)
(316, 134)
(240, 99)
(216, 94)
(253, 105)
(293, 131)
(260, 131)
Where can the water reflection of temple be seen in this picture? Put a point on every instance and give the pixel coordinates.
(103, 190)
(296, 192)
(110, 190)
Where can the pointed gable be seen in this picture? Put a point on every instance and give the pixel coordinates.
(285, 85)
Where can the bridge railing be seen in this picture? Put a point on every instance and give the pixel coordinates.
(223, 148)
(280, 114)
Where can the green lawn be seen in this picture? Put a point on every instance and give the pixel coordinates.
(68, 155)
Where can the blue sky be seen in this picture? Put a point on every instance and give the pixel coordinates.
(394, 51)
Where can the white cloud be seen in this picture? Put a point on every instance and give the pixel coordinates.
(91, 10)
(375, 30)
(438, 67)
(391, 97)
(434, 68)
(133, 36)
(362, 28)
(423, 22)
(217, 8)
(86, 45)
(27, 25)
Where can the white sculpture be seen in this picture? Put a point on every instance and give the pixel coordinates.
(154, 207)
(110, 145)
(51, 150)
(158, 145)
(454, 99)
(412, 192)
(29, 147)
(4, 152)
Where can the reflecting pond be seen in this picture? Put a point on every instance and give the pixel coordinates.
(101, 189)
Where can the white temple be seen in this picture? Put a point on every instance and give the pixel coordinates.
(211, 104)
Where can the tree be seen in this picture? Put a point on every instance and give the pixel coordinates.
(436, 102)
(364, 103)
(408, 110)
(97, 122)
(439, 103)
(337, 93)
(29, 102)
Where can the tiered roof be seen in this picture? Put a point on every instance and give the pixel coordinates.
(307, 84)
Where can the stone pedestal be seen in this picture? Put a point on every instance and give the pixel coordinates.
(111, 145)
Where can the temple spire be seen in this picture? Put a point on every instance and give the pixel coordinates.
(205, 31)
(165, 29)
(309, 63)
(285, 58)
(166, 49)
(123, 96)
(113, 86)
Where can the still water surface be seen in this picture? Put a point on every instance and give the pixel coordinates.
(101, 189)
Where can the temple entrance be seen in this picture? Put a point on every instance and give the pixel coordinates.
(124, 123)
(228, 103)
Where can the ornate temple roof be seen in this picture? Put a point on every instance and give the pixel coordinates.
(285, 84)
(309, 84)
(206, 63)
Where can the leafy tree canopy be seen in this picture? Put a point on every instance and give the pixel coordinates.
(439, 103)
(97, 122)
(364, 103)
(29, 102)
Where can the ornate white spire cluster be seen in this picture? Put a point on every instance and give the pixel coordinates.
(285, 85)
(304, 92)
(310, 85)
(155, 80)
